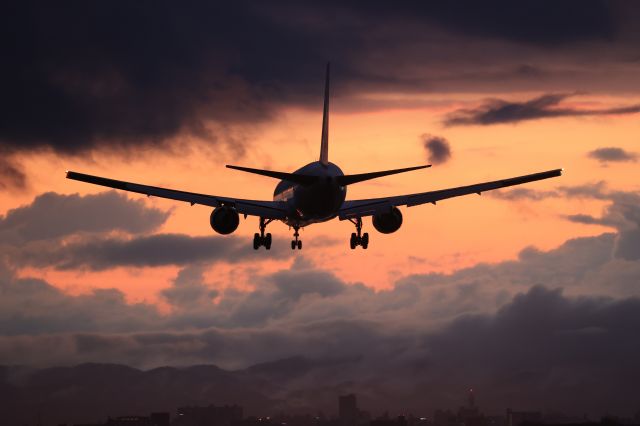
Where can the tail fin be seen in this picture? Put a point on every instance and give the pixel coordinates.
(324, 142)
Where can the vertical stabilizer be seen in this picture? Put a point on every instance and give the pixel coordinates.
(324, 143)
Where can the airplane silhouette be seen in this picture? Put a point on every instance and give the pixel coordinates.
(312, 194)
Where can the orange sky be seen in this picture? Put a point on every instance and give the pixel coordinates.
(454, 234)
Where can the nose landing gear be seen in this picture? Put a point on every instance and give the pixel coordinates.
(358, 238)
(296, 243)
(261, 239)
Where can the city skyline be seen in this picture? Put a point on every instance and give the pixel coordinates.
(348, 414)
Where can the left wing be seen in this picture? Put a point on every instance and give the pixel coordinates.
(372, 206)
(265, 209)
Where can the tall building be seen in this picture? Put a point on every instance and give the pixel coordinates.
(348, 410)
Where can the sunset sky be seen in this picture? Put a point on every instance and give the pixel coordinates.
(166, 95)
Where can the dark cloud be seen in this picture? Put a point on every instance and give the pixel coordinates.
(531, 23)
(189, 291)
(127, 74)
(101, 253)
(53, 215)
(133, 74)
(12, 177)
(438, 149)
(597, 190)
(612, 154)
(623, 214)
(498, 111)
(524, 194)
(537, 350)
(499, 327)
(306, 295)
(34, 307)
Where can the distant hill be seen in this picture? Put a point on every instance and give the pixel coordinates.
(91, 392)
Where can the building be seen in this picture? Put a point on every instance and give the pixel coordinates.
(208, 416)
(348, 410)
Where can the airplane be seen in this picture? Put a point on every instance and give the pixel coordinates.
(312, 194)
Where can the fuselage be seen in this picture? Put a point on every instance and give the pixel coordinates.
(315, 203)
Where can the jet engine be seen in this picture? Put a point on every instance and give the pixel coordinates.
(388, 222)
(224, 220)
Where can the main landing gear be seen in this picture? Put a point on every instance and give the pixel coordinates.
(358, 239)
(261, 239)
(296, 243)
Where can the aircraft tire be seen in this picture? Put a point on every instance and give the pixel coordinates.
(293, 245)
(256, 241)
(267, 241)
(299, 245)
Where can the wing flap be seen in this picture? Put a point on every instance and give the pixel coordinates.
(266, 209)
(372, 206)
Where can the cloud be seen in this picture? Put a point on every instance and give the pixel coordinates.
(103, 252)
(164, 71)
(536, 350)
(12, 176)
(34, 307)
(188, 290)
(612, 154)
(596, 190)
(524, 194)
(498, 111)
(53, 215)
(305, 294)
(593, 21)
(438, 148)
(505, 328)
(623, 214)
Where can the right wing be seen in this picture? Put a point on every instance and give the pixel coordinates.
(265, 209)
(372, 206)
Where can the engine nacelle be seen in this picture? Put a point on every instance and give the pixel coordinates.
(224, 220)
(388, 222)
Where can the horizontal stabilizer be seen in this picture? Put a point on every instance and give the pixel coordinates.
(291, 177)
(350, 179)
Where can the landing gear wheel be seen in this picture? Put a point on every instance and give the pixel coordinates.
(358, 238)
(296, 243)
(260, 239)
